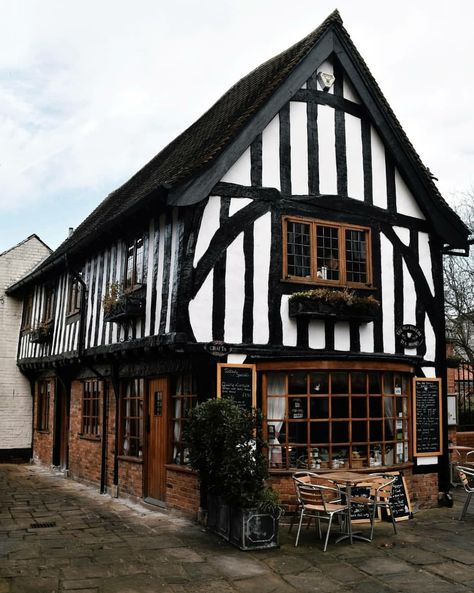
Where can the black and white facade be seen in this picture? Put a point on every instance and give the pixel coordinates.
(299, 179)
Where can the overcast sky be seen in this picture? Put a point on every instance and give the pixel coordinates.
(91, 90)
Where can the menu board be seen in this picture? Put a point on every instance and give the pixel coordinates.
(238, 383)
(360, 513)
(427, 417)
(400, 499)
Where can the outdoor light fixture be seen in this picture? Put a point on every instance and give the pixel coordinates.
(325, 80)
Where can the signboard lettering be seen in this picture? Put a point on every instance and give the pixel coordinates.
(238, 383)
(427, 417)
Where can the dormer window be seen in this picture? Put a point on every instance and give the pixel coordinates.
(321, 252)
(134, 270)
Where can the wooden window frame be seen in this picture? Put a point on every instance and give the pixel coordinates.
(394, 431)
(27, 313)
(90, 417)
(48, 307)
(132, 390)
(74, 297)
(314, 223)
(182, 400)
(43, 405)
(137, 280)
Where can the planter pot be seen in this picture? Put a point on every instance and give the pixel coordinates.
(316, 309)
(248, 529)
(127, 307)
(42, 335)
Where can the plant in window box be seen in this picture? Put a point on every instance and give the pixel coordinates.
(328, 302)
(225, 448)
(120, 304)
(43, 333)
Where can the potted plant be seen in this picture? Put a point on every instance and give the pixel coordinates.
(225, 448)
(120, 304)
(43, 333)
(327, 302)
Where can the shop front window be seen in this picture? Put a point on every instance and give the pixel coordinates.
(183, 397)
(335, 419)
(132, 418)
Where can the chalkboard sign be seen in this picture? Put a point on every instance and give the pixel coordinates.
(427, 417)
(238, 383)
(360, 513)
(400, 499)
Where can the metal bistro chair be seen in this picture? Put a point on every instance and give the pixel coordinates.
(319, 498)
(378, 497)
(466, 475)
(301, 476)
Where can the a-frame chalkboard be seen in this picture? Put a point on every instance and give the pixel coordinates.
(427, 417)
(400, 498)
(238, 383)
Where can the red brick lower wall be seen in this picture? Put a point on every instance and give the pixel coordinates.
(465, 439)
(43, 441)
(182, 490)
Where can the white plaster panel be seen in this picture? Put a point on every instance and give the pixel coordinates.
(366, 336)
(429, 372)
(236, 358)
(116, 327)
(159, 275)
(349, 91)
(288, 324)
(200, 311)
(149, 284)
(262, 246)
(209, 225)
(271, 154)
(172, 264)
(388, 298)
(355, 166)
(240, 170)
(327, 68)
(403, 234)
(299, 148)
(379, 177)
(316, 334)
(327, 150)
(342, 340)
(237, 204)
(234, 291)
(406, 203)
(424, 258)
(430, 340)
(305, 86)
(409, 297)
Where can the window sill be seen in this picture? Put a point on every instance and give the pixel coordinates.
(130, 459)
(73, 316)
(329, 284)
(360, 470)
(43, 431)
(180, 468)
(88, 437)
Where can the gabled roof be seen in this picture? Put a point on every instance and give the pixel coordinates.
(30, 238)
(203, 145)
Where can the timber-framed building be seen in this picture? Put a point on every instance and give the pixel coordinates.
(293, 227)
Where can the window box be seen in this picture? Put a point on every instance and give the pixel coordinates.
(129, 305)
(43, 333)
(337, 304)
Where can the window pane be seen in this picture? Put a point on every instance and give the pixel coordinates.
(327, 252)
(319, 383)
(319, 407)
(358, 383)
(356, 256)
(339, 383)
(298, 239)
(340, 407)
(359, 407)
(297, 383)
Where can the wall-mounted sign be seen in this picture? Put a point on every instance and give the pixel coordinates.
(238, 383)
(409, 336)
(427, 418)
(218, 348)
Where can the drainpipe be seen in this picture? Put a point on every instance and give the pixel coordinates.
(32, 389)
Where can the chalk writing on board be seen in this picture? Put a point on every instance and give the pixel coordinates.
(400, 499)
(427, 421)
(237, 382)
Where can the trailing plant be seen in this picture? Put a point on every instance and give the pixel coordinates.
(343, 299)
(225, 448)
(111, 297)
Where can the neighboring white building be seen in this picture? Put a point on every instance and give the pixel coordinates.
(15, 393)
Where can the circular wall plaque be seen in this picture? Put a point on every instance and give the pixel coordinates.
(409, 336)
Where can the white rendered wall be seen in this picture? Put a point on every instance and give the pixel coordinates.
(299, 148)
(355, 166)
(388, 295)
(262, 248)
(234, 291)
(379, 177)
(15, 395)
(288, 324)
(327, 151)
(271, 154)
(240, 170)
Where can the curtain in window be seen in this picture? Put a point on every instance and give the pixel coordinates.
(275, 412)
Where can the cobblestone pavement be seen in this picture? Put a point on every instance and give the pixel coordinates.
(96, 544)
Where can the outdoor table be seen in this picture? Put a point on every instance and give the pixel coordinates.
(348, 480)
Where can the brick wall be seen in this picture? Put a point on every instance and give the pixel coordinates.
(182, 490)
(15, 394)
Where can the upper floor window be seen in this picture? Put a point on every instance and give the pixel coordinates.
(74, 297)
(326, 253)
(134, 270)
(27, 317)
(48, 308)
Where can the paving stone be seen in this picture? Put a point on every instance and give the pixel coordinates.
(4, 585)
(384, 566)
(238, 566)
(34, 585)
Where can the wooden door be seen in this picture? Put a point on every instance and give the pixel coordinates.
(157, 440)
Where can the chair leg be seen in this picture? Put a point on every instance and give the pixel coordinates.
(299, 527)
(327, 533)
(394, 524)
(465, 507)
(372, 520)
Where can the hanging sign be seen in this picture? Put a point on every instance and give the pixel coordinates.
(427, 418)
(409, 336)
(238, 383)
(217, 348)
